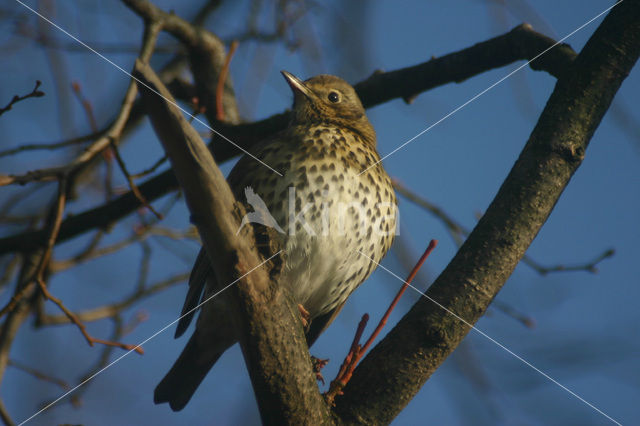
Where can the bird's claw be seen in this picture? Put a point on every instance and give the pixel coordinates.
(305, 316)
(319, 364)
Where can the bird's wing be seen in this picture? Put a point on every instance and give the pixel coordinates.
(268, 243)
(199, 274)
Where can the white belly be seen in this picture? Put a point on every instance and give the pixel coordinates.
(329, 239)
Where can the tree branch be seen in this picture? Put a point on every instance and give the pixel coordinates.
(35, 93)
(521, 43)
(113, 133)
(284, 384)
(457, 231)
(396, 369)
(206, 56)
(113, 309)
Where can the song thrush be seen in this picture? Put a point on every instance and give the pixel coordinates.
(336, 210)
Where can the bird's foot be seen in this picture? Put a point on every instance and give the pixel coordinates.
(318, 365)
(305, 316)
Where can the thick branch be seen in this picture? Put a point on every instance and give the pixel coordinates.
(398, 367)
(272, 338)
(520, 43)
(206, 55)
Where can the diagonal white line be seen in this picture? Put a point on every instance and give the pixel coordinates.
(491, 87)
(191, 116)
(143, 342)
(500, 345)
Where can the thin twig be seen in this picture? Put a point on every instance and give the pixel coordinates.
(432, 245)
(86, 106)
(220, 116)
(85, 253)
(35, 93)
(107, 154)
(46, 256)
(143, 275)
(83, 328)
(132, 184)
(112, 133)
(353, 350)
(513, 313)
(139, 317)
(40, 375)
(151, 169)
(140, 234)
(44, 261)
(357, 351)
(104, 48)
(49, 146)
(109, 311)
(58, 213)
(457, 231)
(102, 361)
(15, 299)
(14, 200)
(590, 266)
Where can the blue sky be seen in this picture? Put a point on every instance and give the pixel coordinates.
(586, 334)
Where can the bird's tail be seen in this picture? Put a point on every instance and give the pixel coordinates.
(180, 383)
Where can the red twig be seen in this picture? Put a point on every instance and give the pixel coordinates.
(412, 275)
(139, 318)
(353, 351)
(44, 262)
(83, 328)
(86, 105)
(357, 351)
(74, 319)
(221, 79)
(107, 153)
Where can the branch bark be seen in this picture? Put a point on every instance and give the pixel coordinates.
(207, 55)
(272, 340)
(400, 364)
(518, 44)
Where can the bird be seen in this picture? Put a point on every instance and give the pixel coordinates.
(337, 208)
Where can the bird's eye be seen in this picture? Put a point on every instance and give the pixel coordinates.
(334, 97)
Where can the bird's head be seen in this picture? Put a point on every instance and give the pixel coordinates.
(328, 99)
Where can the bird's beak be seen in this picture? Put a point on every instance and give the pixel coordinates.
(296, 84)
